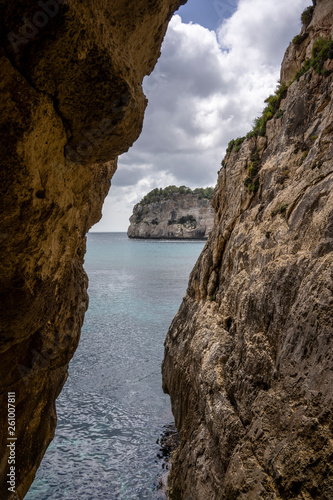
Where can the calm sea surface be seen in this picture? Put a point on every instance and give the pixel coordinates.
(112, 409)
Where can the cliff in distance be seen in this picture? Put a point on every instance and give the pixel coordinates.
(71, 102)
(173, 213)
(249, 356)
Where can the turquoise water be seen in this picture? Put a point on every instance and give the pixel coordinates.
(112, 410)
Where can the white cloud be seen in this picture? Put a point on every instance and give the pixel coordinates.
(258, 27)
(206, 89)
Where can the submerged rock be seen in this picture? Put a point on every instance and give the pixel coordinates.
(249, 356)
(168, 442)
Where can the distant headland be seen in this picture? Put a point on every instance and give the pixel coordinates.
(173, 213)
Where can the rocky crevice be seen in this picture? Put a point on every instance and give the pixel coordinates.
(248, 358)
(71, 103)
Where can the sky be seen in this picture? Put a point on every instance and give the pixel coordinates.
(220, 60)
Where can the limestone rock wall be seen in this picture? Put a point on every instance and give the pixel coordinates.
(184, 216)
(249, 356)
(71, 102)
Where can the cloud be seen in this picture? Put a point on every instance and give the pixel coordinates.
(206, 89)
(260, 29)
(130, 175)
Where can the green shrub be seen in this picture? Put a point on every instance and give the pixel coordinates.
(238, 143)
(273, 101)
(298, 39)
(307, 14)
(254, 186)
(322, 50)
(280, 210)
(159, 194)
(184, 190)
(271, 110)
(235, 143)
(259, 127)
(279, 113)
(230, 146)
(252, 179)
(204, 193)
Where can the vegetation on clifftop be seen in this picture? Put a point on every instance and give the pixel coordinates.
(321, 52)
(273, 105)
(159, 194)
(259, 127)
(307, 14)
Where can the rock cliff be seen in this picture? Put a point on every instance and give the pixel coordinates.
(182, 216)
(71, 101)
(249, 356)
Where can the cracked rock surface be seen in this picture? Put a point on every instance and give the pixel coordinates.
(249, 356)
(71, 102)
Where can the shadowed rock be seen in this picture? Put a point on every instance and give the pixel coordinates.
(71, 102)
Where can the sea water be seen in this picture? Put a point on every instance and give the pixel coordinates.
(112, 410)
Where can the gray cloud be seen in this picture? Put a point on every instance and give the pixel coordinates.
(127, 176)
(206, 89)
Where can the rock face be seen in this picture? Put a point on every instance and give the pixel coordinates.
(249, 356)
(185, 216)
(71, 101)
